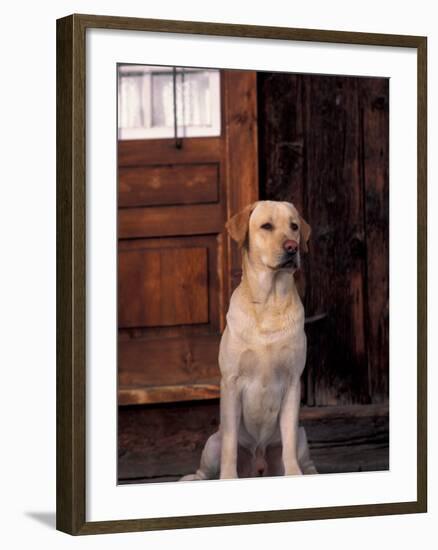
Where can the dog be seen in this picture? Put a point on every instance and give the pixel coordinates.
(262, 352)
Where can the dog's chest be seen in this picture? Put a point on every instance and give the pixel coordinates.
(264, 376)
(262, 354)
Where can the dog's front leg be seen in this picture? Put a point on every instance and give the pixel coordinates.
(230, 411)
(289, 428)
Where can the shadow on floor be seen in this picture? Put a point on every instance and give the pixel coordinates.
(45, 518)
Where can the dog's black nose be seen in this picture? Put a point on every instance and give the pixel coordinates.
(290, 246)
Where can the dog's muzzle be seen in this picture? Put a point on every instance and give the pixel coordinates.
(291, 256)
(289, 261)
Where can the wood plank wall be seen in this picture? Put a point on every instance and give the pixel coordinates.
(324, 145)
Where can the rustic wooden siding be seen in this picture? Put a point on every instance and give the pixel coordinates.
(323, 145)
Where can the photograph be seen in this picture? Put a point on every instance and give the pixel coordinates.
(241, 276)
(216, 281)
(252, 273)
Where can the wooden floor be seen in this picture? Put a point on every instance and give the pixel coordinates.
(163, 442)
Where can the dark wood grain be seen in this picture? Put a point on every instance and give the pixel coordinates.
(65, 488)
(152, 438)
(249, 31)
(422, 463)
(337, 256)
(250, 518)
(281, 137)
(70, 250)
(311, 136)
(157, 441)
(374, 103)
(282, 162)
(71, 326)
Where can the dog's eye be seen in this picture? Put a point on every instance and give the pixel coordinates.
(294, 226)
(268, 226)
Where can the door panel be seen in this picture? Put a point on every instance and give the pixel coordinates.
(174, 275)
(325, 148)
(149, 152)
(163, 287)
(211, 248)
(188, 362)
(168, 185)
(168, 221)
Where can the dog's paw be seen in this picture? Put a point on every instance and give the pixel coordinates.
(228, 474)
(189, 477)
(198, 476)
(293, 470)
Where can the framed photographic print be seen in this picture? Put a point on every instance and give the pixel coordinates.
(241, 274)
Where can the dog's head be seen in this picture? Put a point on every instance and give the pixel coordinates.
(273, 233)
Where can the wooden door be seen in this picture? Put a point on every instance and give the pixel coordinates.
(325, 147)
(176, 265)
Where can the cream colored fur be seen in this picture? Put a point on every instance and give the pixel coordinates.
(262, 353)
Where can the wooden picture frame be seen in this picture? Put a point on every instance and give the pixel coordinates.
(71, 272)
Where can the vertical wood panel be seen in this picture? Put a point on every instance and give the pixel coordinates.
(184, 279)
(336, 261)
(323, 146)
(163, 287)
(207, 242)
(282, 160)
(241, 151)
(375, 120)
(282, 139)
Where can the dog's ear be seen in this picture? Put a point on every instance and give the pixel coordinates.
(238, 225)
(305, 231)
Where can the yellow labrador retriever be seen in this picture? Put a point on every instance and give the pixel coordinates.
(262, 352)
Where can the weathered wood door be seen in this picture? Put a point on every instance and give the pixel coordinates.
(176, 265)
(325, 147)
